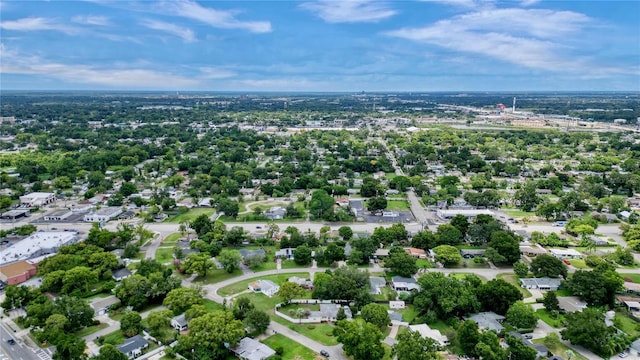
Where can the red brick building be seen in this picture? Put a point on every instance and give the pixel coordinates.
(17, 272)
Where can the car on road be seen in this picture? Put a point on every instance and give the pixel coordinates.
(324, 353)
(560, 223)
(623, 355)
(11, 342)
(258, 227)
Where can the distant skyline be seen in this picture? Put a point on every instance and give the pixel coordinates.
(320, 45)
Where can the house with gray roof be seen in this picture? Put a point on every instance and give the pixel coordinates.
(121, 274)
(250, 349)
(543, 283)
(133, 346)
(246, 253)
(101, 306)
(180, 322)
(266, 287)
(376, 284)
(286, 253)
(400, 283)
(329, 312)
(488, 320)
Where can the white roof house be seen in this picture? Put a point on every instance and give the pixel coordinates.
(266, 287)
(426, 332)
(469, 213)
(38, 244)
(566, 253)
(103, 215)
(250, 349)
(37, 199)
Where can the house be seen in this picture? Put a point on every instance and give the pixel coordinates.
(101, 306)
(121, 274)
(488, 320)
(205, 202)
(541, 350)
(624, 215)
(426, 332)
(397, 305)
(275, 213)
(565, 253)
(329, 312)
(127, 215)
(416, 253)
(179, 322)
(469, 213)
(471, 253)
(266, 287)
(632, 305)
(247, 253)
(344, 202)
(543, 283)
(36, 199)
(217, 263)
(395, 317)
(18, 272)
(133, 346)
(103, 215)
(305, 283)
(400, 283)
(532, 251)
(376, 284)
(286, 253)
(250, 349)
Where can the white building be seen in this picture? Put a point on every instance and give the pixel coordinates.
(566, 253)
(38, 244)
(58, 215)
(103, 215)
(469, 213)
(426, 332)
(37, 199)
(266, 287)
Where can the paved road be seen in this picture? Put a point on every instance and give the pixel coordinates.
(19, 351)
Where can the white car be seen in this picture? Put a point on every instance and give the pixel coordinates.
(623, 355)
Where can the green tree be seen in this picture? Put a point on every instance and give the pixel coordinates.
(521, 269)
(180, 299)
(69, 347)
(242, 307)
(461, 223)
(550, 301)
(506, 245)
(131, 324)
(158, 320)
(498, 295)
(447, 255)
(468, 337)
(521, 316)
(377, 203)
(302, 255)
(518, 350)
(447, 296)
(447, 234)
(408, 342)
(256, 322)
(547, 265)
(424, 240)
(110, 352)
(345, 232)
(198, 263)
(587, 328)
(79, 278)
(76, 310)
(290, 290)
(597, 287)
(230, 260)
(359, 339)
(375, 314)
(401, 263)
(526, 198)
(488, 347)
(211, 332)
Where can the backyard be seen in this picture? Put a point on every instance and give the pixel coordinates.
(291, 349)
(243, 285)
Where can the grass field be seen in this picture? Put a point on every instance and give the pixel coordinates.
(172, 239)
(633, 277)
(164, 254)
(190, 215)
(579, 264)
(290, 264)
(513, 280)
(211, 305)
(543, 314)
(214, 276)
(292, 349)
(517, 213)
(559, 350)
(91, 329)
(397, 205)
(242, 285)
(322, 333)
(114, 338)
(626, 324)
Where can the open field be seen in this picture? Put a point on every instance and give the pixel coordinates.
(397, 205)
(292, 349)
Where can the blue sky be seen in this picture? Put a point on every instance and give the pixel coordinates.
(320, 45)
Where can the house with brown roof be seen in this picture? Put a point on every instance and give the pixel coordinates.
(18, 272)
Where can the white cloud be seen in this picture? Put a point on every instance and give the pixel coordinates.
(529, 2)
(184, 33)
(460, 3)
(91, 20)
(37, 24)
(116, 77)
(216, 73)
(216, 18)
(528, 37)
(349, 11)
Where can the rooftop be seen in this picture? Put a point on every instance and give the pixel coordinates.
(17, 268)
(35, 244)
(251, 349)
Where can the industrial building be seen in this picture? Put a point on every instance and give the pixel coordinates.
(37, 199)
(103, 215)
(38, 244)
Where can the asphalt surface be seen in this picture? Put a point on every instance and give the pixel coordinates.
(18, 351)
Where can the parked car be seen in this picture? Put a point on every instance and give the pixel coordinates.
(11, 342)
(566, 262)
(324, 353)
(560, 223)
(623, 355)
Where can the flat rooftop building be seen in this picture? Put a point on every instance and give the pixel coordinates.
(469, 213)
(36, 199)
(38, 244)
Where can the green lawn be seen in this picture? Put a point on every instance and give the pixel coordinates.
(190, 215)
(397, 205)
(579, 264)
(563, 292)
(322, 333)
(517, 213)
(440, 326)
(242, 285)
(424, 264)
(543, 314)
(292, 349)
(559, 350)
(626, 324)
(164, 254)
(311, 307)
(91, 329)
(462, 275)
(211, 305)
(290, 264)
(633, 277)
(172, 239)
(214, 276)
(513, 280)
(409, 313)
(114, 338)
